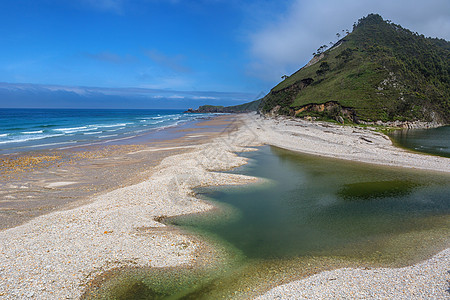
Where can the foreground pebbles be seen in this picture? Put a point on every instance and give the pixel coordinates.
(54, 256)
(427, 280)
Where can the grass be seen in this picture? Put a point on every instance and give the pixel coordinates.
(374, 71)
(351, 85)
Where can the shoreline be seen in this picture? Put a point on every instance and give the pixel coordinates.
(64, 250)
(55, 255)
(86, 136)
(341, 142)
(51, 180)
(426, 279)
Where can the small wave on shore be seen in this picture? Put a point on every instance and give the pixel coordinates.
(29, 129)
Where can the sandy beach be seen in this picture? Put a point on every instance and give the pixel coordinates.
(55, 255)
(342, 142)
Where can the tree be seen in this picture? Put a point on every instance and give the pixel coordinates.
(321, 49)
(345, 55)
(323, 68)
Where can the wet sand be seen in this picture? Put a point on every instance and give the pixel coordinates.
(36, 183)
(57, 254)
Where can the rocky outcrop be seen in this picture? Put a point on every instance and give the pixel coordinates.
(314, 60)
(405, 124)
(329, 109)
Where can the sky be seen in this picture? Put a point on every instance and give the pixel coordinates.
(181, 53)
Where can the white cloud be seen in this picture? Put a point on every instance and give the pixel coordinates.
(149, 92)
(76, 90)
(284, 45)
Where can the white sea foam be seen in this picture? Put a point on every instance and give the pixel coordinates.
(152, 118)
(26, 138)
(77, 129)
(147, 122)
(105, 136)
(112, 125)
(71, 129)
(111, 130)
(33, 132)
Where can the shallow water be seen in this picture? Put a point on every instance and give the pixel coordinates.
(24, 130)
(432, 141)
(311, 214)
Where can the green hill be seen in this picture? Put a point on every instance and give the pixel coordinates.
(242, 108)
(379, 71)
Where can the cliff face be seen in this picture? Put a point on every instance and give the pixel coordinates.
(378, 72)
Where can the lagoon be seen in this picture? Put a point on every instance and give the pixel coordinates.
(434, 141)
(308, 214)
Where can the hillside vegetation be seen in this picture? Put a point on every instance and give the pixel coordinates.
(379, 71)
(242, 108)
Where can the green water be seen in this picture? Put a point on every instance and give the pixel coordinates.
(432, 141)
(310, 214)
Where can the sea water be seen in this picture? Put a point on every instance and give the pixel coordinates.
(32, 129)
(432, 141)
(308, 214)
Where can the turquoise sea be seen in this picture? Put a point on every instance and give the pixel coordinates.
(32, 129)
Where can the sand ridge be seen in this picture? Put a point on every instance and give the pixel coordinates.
(342, 142)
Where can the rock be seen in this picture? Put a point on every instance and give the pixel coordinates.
(275, 110)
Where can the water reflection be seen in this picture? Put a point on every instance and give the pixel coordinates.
(313, 214)
(378, 189)
(432, 141)
(318, 205)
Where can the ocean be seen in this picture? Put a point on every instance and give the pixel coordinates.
(24, 130)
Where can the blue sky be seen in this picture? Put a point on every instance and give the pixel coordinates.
(227, 47)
